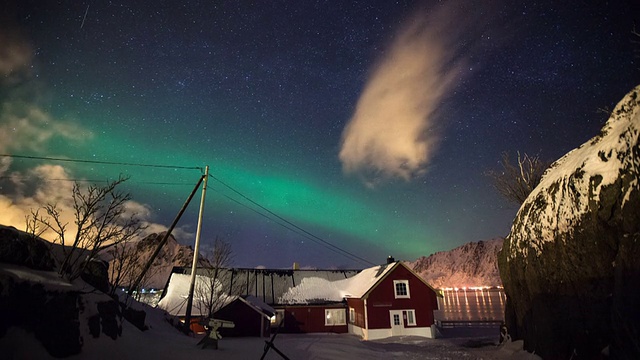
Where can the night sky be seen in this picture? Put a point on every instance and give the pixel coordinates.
(367, 125)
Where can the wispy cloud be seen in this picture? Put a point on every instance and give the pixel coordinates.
(15, 56)
(53, 184)
(27, 128)
(394, 130)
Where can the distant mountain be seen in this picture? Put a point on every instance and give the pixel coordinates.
(472, 264)
(172, 254)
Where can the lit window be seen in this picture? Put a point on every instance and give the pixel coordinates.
(411, 318)
(277, 318)
(334, 317)
(401, 288)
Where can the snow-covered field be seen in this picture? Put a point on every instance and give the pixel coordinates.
(163, 341)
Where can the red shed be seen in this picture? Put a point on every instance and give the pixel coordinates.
(250, 315)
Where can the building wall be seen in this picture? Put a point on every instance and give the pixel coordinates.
(382, 299)
(247, 321)
(310, 319)
(358, 306)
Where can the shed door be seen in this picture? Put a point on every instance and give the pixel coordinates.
(397, 322)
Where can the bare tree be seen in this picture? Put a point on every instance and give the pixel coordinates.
(101, 220)
(516, 181)
(211, 289)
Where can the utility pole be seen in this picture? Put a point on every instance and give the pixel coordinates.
(194, 264)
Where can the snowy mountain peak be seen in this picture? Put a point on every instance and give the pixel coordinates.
(472, 264)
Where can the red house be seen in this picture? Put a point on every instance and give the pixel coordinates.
(382, 301)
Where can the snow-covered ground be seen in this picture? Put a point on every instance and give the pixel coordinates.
(17, 344)
(163, 341)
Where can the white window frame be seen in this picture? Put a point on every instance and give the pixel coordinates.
(352, 315)
(412, 317)
(395, 289)
(335, 317)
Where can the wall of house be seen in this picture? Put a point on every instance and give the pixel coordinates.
(358, 306)
(247, 321)
(310, 319)
(382, 299)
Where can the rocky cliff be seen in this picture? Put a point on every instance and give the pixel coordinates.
(570, 265)
(472, 264)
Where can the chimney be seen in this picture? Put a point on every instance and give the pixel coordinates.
(296, 266)
(390, 260)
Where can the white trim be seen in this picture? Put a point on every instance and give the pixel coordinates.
(395, 289)
(366, 317)
(411, 324)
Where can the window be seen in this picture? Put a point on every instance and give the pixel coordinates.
(396, 319)
(401, 288)
(411, 317)
(352, 315)
(334, 317)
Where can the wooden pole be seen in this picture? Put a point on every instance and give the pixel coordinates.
(146, 267)
(194, 264)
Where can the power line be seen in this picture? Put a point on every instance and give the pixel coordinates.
(103, 162)
(283, 222)
(290, 228)
(97, 181)
(310, 235)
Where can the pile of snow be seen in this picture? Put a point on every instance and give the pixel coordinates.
(314, 290)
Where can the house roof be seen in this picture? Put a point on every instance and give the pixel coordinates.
(314, 290)
(174, 300)
(267, 285)
(258, 305)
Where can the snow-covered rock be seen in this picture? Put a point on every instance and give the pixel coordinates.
(472, 264)
(570, 264)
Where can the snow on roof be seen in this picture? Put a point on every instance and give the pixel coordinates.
(267, 284)
(578, 178)
(315, 290)
(175, 300)
(259, 304)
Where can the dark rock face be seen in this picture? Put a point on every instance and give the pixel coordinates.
(96, 274)
(51, 316)
(20, 248)
(571, 263)
(108, 319)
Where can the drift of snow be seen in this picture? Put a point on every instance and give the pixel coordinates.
(316, 289)
(175, 300)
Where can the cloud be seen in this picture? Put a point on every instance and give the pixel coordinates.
(52, 184)
(15, 56)
(25, 126)
(394, 131)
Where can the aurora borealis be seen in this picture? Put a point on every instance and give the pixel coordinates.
(367, 124)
